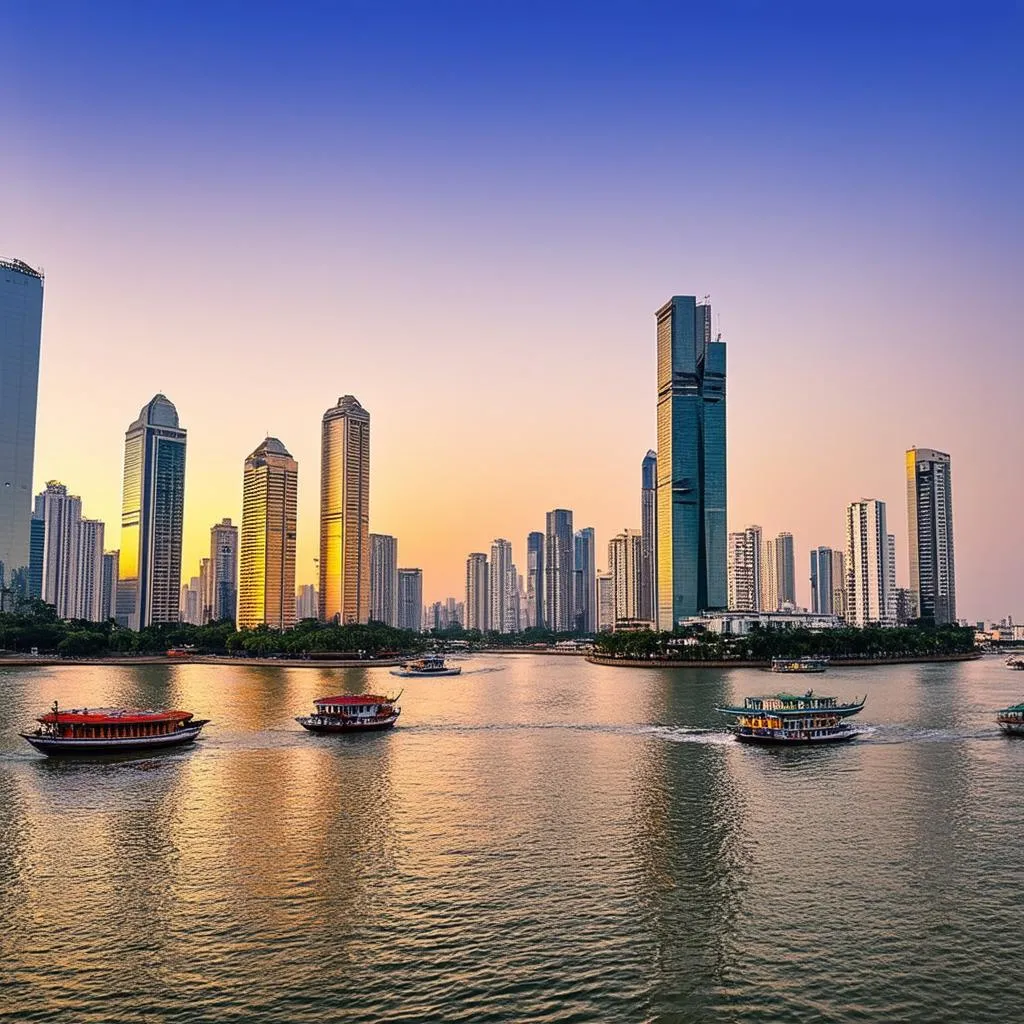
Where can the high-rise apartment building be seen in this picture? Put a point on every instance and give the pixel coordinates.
(307, 605)
(839, 583)
(21, 322)
(384, 578)
(345, 513)
(559, 551)
(649, 531)
(821, 581)
(930, 535)
(205, 591)
(410, 599)
(535, 579)
(867, 564)
(224, 570)
(108, 586)
(89, 571)
(152, 511)
(605, 602)
(744, 562)
(778, 574)
(584, 588)
(477, 593)
(62, 523)
(266, 583)
(502, 587)
(625, 563)
(691, 499)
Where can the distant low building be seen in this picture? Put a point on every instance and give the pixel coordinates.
(742, 623)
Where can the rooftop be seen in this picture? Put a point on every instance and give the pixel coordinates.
(20, 268)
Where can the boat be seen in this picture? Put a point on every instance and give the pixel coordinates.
(360, 712)
(1016, 663)
(799, 664)
(785, 719)
(88, 731)
(1011, 720)
(431, 665)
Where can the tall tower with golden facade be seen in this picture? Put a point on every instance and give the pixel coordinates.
(345, 513)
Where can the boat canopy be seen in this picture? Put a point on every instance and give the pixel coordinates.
(349, 699)
(783, 704)
(111, 716)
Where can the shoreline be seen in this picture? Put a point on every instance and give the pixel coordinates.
(922, 659)
(46, 661)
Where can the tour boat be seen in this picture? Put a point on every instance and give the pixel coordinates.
(1011, 720)
(431, 665)
(1015, 663)
(78, 731)
(799, 664)
(786, 719)
(361, 712)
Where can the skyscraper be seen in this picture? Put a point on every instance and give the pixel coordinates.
(625, 562)
(224, 570)
(410, 599)
(535, 579)
(501, 585)
(744, 561)
(89, 571)
(867, 557)
(345, 513)
(307, 606)
(21, 321)
(605, 602)
(108, 586)
(384, 578)
(649, 530)
(821, 581)
(839, 583)
(477, 592)
(786, 570)
(266, 583)
(152, 509)
(691, 499)
(62, 520)
(36, 547)
(584, 592)
(930, 535)
(558, 566)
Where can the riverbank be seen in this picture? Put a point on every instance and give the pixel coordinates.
(597, 659)
(42, 661)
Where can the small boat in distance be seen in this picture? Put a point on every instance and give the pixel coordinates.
(430, 665)
(1017, 663)
(785, 719)
(361, 712)
(78, 731)
(1011, 720)
(799, 664)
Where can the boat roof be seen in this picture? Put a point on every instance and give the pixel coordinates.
(112, 716)
(358, 698)
(1012, 707)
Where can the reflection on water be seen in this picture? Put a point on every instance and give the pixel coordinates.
(539, 840)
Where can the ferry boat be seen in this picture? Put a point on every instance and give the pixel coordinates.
(799, 664)
(78, 731)
(785, 719)
(431, 665)
(1016, 663)
(361, 712)
(1011, 720)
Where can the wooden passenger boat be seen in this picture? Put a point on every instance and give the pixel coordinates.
(431, 665)
(361, 712)
(1011, 720)
(786, 719)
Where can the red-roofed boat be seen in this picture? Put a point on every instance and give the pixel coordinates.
(361, 712)
(77, 731)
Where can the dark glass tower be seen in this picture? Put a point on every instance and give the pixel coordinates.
(535, 579)
(559, 555)
(691, 496)
(649, 537)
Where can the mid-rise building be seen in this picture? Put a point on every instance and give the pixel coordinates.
(345, 513)
(62, 521)
(821, 581)
(410, 599)
(205, 591)
(384, 578)
(89, 572)
(306, 602)
(36, 548)
(778, 574)
(691, 463)
(930, 535)
(605, 602)
(502, 586)
(649, 532)
(152, 513)
(744, 562)
(224, 570)
(867, 564)
(535, 579)
(478, 610)
(559, 550)
(266, 584)
(108, 586)
(625, 562)
(21, 323)
(839, 584)
(584, 592)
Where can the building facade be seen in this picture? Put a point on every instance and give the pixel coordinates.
(478, 605)
(930, 535)
(649, 533)
(839, 584)
(410, 599)
(605, 602)
(559, 550)
(584, 587)
(867, 564)
(307, 605)
(345, 513)
(266, 579)
(108, 586)
(62, 522)
(625, 566)
(502, 585)
(224, 570)
(89, 571)
(535, 580)
(821, 581)
(691, 463)
(384, 578)
(744, 565)
(152, 513)
(21, 324)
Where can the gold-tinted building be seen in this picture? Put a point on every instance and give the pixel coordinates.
(266, 577)
(345, 513)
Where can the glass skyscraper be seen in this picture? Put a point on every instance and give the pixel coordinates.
(535, 580)
(691, 496)
(21, 321)
(649, 534)
(584, 581)
(152, 509)
(822, 585)
(559, 554)
(930, 532)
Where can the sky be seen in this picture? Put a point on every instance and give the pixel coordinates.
(466, 214)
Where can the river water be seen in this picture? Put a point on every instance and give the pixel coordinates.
(538, 840)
